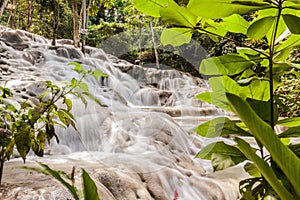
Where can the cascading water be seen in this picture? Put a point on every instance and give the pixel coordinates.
(137, 142)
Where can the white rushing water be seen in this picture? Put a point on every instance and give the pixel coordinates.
(137, 145)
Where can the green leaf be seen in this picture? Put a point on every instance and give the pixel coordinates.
(23, 139)
(236, 24)
(220, 126)
(151, 7)
(89, 187)
(84, 87)
(82, 98)
(174, 14)
(220, 161)
(251, 169)
(292, 41)
(68, 103)
(292, 22)
(225, 65)
(289, 122)
(222, 155)
(288, 162)
(219, 148)
(57, 176)
(78, 67)
(223, 8)
(265, 169)
(217, 99)
(295, 148)
(63, 117)
(176, 36)
(291, 132)
(263, 109)
(10, 149)
(98, 73)
(260, 27)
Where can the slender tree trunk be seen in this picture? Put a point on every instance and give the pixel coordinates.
(75, 24)
(55, 10)
(83, 25)
(29, 17)
(11, 18)
(154, 43)
(3, 7)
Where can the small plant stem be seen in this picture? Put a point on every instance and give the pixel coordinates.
(271, 64)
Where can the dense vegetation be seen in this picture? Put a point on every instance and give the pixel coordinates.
(244, 82)
(250, 70)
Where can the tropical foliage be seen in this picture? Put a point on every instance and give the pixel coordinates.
(244, 82)
(28, 124)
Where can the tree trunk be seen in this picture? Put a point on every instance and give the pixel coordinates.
(3, 7)
(154, 43)
(29, 16)
(11, 18)
(75, 24)
(83, 25)
(55, 10)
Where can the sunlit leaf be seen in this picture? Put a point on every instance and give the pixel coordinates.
(260, 28)
(224, 8)
(174, 14)
(151, 7)
(176, 36)
(220, 126)
(224, 65)
(235, 24)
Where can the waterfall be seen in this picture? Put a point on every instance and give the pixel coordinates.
(138, 144)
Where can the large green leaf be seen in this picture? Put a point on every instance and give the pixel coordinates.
(292, 22)
(222, 155)
(176, 36)
(89, 187)
(220, 126)
(225, 65)
(181, 16)
(224, 8)
(235, 24)
(219, 148)
(288, 162)
(260, 28)
(215, 98)
(263, 109)
(265, 169)
(151, 7)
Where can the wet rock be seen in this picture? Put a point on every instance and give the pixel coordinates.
(14, 40)
(123, 186)
(69, 52)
